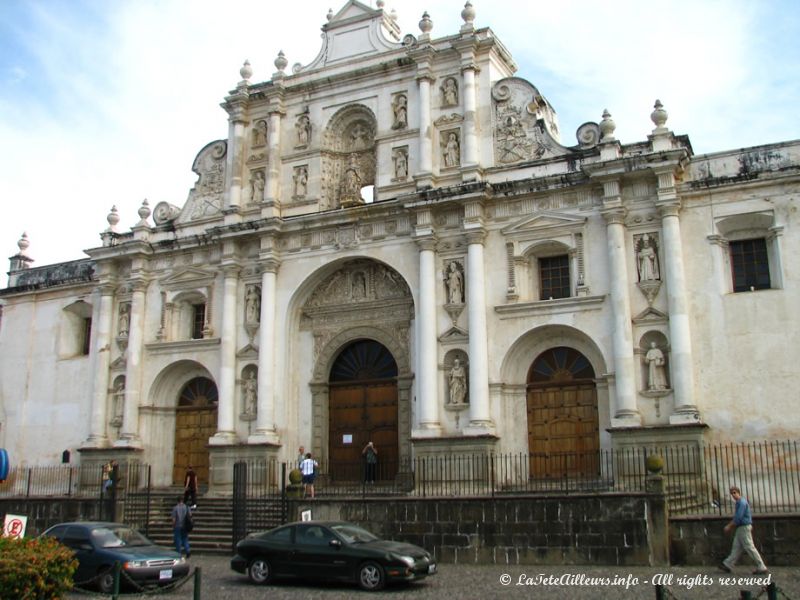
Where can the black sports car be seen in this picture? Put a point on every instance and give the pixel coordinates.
(332, 550)
(98, 546)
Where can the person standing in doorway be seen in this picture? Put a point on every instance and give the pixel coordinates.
(190, 488)
(180, 535)
(309, 470)
(370, 454)
(742, 523)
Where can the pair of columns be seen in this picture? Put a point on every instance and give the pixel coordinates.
(129, 432)
(627, 413)
(480, 421)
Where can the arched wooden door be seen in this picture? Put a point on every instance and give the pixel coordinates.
(563, 429)
(195, 422)
(362, 408)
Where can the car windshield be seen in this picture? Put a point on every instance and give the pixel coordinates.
(118, 537)
(353, 534)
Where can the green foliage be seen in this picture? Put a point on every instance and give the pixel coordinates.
(295, 476)
(35, 569)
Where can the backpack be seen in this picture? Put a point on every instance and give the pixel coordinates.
(188, 522)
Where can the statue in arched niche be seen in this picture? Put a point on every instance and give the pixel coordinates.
(250, 394)
(656, 376)
(647, 259)
(458, 383)
(303, 127)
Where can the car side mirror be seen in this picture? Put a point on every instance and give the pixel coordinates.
(335, 543)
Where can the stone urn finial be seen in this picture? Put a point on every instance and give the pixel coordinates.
(607, 127)
(380, 4)
(144, 212)
(468, 14)
(113, 218)
(23, 243)
(659, 115)
(281, 62)
(330, 14)
(246, 71)
(426, 25)
(654, 464)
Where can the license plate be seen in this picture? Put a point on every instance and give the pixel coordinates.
(165, 574)
(431, 569)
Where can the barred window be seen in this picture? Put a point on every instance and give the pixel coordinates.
(198, 321)
(554, 277)
(750, 265)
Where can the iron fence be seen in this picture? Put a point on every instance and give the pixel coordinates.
(697, 477)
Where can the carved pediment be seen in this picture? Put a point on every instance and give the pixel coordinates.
(544, 224)
(650, 316)
(205, 198)
(188, 278)
(249, 352)
(359, 282)
(454, 335)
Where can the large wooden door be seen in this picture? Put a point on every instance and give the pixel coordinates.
(563, 429)
(195, 422)
(363, 408)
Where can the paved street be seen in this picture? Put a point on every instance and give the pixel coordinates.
(468, 582)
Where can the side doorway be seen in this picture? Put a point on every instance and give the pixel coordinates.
(563, 427)
(195, 422)
(363, 407)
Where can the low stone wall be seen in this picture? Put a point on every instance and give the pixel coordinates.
(44, 512)
(701, 540)
(608, 529)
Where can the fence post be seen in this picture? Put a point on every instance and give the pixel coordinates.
(28, 487)
(239, 502)
(772, 591)
(147, 504)
(197, 583)
(660, 594)
(117, 569)
(746, 595)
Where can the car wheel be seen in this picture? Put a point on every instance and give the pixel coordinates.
(105, 580)
(259, 570)
(371, 576)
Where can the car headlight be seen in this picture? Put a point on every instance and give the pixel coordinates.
(409, 561)
(181, 560)
(134, 564)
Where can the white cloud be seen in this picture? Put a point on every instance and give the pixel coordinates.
(113, 100)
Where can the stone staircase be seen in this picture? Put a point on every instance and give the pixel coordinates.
(213, 521)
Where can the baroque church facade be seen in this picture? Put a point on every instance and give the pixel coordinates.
(394, 244)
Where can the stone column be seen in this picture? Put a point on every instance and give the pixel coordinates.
(272, 184)
(470, 119)
(425, 129)
(627, 412)
(102, 322)
(236, 106)
(226, 410)
(129, 433)
(265, 421)
(685, 410)
(480, 420)
(427, 389)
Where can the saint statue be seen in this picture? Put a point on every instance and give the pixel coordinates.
(455, 284)
(260, 134)
(124, 320)
(656, 379)
(450, 92)
(250, 394)
(303, 127)
(400, 112)
(452, 152)
(400, 165)
(648, 261)
(458, 383)
(252, 305)
(301, 182)
(257, 187)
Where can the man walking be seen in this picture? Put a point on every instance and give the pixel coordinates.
(309, 470)
(190, 488)
(180, 534)
(742, 522)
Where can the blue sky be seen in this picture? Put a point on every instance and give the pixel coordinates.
(107, 102)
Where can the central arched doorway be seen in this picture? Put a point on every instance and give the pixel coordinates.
(563, 428)
(195, 422)
(362, 408)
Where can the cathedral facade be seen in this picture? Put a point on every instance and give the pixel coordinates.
(393, 244)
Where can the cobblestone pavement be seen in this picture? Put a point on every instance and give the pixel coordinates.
(479, 582)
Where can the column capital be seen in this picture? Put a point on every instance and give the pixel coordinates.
(614, 216)
(231, 270)
(426, 243)
(477, 236)
(139, 284)
(106, 288)
(669, 209)
(270, 264)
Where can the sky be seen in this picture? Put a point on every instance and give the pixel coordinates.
(107, 102)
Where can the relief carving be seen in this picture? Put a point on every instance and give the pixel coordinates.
(205, 198)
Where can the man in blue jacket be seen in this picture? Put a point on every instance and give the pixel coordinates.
(742, 522)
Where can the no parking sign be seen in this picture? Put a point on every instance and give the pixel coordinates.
(14, 526)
